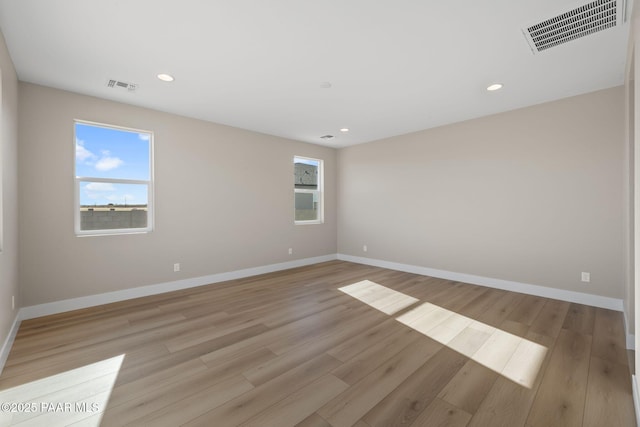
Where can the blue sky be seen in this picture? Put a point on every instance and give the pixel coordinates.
(305, 161)
(112, 153)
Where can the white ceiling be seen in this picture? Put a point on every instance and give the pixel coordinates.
(395, 66)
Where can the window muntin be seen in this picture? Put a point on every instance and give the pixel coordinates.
(113, 179)
(308, 196)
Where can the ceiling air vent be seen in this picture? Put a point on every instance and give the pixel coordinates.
(582, 21)
(116, 84)
(327, 137)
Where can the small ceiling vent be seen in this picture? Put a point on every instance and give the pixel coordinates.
(326, 137)
(582, 21)
(116, 84)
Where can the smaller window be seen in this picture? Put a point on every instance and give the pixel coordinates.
(308, 182)
(113, 179)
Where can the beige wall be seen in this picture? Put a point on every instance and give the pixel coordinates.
(633, 114)
(212, 214)
(8, 193)
(533, 195)
(629, 190)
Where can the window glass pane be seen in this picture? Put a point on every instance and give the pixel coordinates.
(112, 153)
(106, 206)
(306, 173)
(306, 206)
(109, 193)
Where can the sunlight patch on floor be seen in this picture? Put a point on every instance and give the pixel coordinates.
(76, 397)
(511, 356)
(379, 297)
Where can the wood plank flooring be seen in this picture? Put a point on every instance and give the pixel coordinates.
(333, 344)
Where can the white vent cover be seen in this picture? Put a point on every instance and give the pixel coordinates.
(116, 84)
(582, 21)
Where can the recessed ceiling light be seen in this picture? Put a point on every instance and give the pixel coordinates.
(495, 86)
(344, 129)
(166, 77)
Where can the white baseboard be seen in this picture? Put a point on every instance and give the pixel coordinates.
(631, 339)
(6, 346)
(525, 288)
(636, 397)
(109, 297)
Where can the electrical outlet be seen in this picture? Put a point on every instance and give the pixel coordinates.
(290, 251)
(176, 267)
(364, 248)
(586, 277)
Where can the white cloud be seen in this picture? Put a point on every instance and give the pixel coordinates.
(144, 136)
(82, 153)
(107, 163)
(128, 198)
(100, 186)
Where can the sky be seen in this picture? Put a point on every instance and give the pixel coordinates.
(103, 152)
(305, 161)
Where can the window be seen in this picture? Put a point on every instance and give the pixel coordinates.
(308, 190)
(113, 179)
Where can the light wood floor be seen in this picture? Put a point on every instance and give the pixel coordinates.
(303, 347)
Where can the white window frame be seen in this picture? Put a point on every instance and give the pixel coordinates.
(319, 193)
(78, 180)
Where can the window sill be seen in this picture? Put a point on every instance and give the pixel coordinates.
(308, 222)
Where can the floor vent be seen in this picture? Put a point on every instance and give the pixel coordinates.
(116, 84)
(579, 22)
